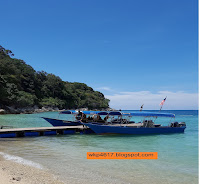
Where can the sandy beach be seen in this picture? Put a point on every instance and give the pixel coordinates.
(11, 172)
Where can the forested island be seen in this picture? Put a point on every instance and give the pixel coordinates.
(22, 89)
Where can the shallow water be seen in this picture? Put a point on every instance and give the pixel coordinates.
(65, 155)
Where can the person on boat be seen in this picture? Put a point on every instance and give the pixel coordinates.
(90, 118)
(79, 115)
(84, 118)
(80, 112)
(96, 117)
(106, 118)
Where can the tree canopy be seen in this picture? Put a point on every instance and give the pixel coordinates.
(22, 86)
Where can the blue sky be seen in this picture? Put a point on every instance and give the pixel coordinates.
(147, 49)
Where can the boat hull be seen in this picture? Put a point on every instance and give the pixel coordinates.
(103, 129)
(58, 122)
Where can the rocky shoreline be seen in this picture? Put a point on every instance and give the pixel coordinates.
(26, 110)
(36, 109)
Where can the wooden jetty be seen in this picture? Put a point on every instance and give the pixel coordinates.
(43, 131)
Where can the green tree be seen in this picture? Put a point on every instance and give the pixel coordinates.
(22, 86)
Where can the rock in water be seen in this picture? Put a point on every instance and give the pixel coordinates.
(2, 111)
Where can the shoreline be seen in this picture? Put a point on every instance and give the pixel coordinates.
(28, 110)
(33, 110)
(12, 172)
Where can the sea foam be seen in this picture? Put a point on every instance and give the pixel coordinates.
(20, 160)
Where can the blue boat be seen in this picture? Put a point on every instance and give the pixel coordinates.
(59, 122)
(124, 126)
(137, 130)
(77, 117)
(117, 122)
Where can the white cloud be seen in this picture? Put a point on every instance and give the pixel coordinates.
(133, 100)
(104, 88)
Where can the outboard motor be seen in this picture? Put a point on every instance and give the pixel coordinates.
(174, 124)
(181, 124)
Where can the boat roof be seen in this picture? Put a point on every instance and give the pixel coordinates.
(119, 113)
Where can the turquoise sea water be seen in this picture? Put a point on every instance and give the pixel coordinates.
(65, 155)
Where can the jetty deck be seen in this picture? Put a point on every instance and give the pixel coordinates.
(42, 131)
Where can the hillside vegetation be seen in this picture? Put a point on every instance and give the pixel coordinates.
(22, 86)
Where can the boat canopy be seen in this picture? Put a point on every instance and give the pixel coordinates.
(68, 112)
(84, 112)
(152, 114)
(117, 113)
(103, 113)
